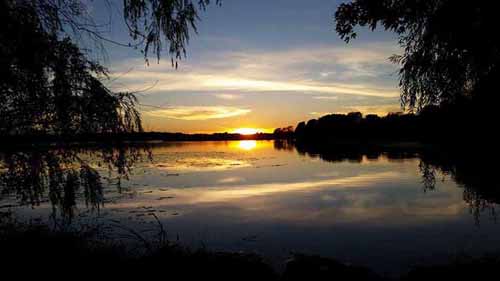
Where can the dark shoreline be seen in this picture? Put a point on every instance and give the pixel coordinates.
(38, 251)
(111, 139)
(152, 137)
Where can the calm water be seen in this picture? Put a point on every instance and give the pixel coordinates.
(384, 210)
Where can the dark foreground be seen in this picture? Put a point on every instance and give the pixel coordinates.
(34, 251)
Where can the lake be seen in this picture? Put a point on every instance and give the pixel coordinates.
(384, 208)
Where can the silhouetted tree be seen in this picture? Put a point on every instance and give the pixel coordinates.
(451, 52)
(48, 84)
(283, 133)
(352, 126)
(150, 21)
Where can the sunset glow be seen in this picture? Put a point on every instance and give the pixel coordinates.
(247, 131)
(238, 79)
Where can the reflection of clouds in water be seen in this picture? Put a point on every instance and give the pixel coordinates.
(233, 193)
(231, 180)
(354, 201)
(215, 194)
(201, 164)
(328, 174)
(370, 197)
(375, 205)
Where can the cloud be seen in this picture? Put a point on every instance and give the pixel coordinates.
(359, 71)
(380, 110)
(227, 96)
(194, 82)
(315, 113)
(235, 83)
(192, 113)
(326, 98)
(326, 74)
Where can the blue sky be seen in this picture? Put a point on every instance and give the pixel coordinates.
(260, 64)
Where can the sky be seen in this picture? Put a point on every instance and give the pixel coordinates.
(256, 64)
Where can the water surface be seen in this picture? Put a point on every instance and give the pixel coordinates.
(384, 209)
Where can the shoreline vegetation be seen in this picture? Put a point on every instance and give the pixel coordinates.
(50, 253)
(96, 139)
(432, 125)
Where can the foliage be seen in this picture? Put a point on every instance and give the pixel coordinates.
(286, 132)
(48, 84)
(450, 50)
(151, 20)
(353, 126)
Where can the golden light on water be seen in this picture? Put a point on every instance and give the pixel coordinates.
(247, 144)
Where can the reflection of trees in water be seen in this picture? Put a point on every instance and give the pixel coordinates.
(281, 144)
(471, 171)
(63, 176)
(352, 152)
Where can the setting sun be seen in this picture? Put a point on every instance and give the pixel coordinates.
(247, 131)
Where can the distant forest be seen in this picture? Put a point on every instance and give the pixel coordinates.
(447, 124)
(22, 140)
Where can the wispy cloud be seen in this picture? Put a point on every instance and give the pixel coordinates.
(191, 113)
(380, 110)
(227, 96)
(319, 69)
(326, 97)
(315, 113)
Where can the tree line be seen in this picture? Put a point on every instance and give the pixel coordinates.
(440, 124)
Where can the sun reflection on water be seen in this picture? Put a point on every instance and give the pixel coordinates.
(247, 144)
